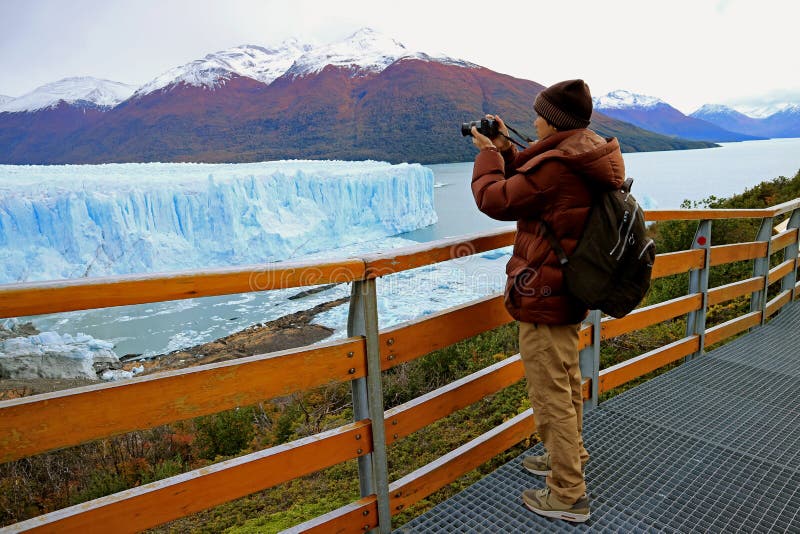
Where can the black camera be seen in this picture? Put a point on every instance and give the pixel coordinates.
(488, 127)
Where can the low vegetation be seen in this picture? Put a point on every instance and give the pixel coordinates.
(47, 482)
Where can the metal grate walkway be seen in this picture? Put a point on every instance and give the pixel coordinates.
(712, 446)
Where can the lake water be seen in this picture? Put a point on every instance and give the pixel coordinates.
(662, 180)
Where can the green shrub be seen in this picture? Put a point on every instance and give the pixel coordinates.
(225, 433)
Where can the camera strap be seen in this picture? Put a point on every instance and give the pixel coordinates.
(514, 141)
(524, 138)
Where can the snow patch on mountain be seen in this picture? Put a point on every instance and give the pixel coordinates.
(766, 110)
(713, 109)
(5, 99)
(622, 99)
(366, 51)
(256, 62)
(75, 91)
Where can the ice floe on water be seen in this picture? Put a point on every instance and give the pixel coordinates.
(53, 355)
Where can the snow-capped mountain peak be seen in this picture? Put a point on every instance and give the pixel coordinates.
(94, 91)
(622, 99)
(4, 99)
(259, 63)
(708, 109)
(365, 51)
(766, 110)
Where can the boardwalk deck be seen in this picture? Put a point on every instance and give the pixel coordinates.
(712, 446)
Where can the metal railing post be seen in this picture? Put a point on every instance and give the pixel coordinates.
(590, 361)
(758, 299)
(373, 469)
(356, 327)
(789, 281)
(698, 283)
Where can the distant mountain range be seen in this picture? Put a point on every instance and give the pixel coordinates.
(715, 123)
(782, 123)
(656, 115)
(366, 97)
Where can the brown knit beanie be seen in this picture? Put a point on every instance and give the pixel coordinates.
(566, 105)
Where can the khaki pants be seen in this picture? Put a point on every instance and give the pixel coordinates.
(550, 357)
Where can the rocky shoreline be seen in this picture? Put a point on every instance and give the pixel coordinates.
(287, 332)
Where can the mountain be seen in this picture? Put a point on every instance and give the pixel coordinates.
(366, 97)
(249, 61)
(654, 114)
(730, 119)
(5, 99)
(783, 120)
(84, 92)
(764, 110)
(785, 123)
(45, 118)
(363, 53)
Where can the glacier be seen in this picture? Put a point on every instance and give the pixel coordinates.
(72, 221)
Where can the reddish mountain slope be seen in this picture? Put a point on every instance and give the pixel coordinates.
(410, 111)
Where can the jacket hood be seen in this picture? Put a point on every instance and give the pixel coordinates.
(588, 155)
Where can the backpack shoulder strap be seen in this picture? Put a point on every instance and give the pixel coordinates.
(554, 244)
(550, 235)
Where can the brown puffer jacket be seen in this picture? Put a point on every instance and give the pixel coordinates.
(554, 180)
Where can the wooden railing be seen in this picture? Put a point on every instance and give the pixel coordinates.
(37, 424)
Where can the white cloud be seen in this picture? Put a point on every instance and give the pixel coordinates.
(687, 52)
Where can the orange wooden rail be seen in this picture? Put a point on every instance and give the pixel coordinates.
(705, 214)
(410, 340)
(437, 474)
(780, 270)
(730, 291)
(422, 411)
(722, 254)
(715, 214)
(398, 260)
(650, 361)
(359, 516)
(36, 298)
(31, 425)
(677, 262)
(730, 328)
(650, 315)
(146, 506)
(780, 300)
(784, 239)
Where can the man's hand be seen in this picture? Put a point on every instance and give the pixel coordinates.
(500, 142)
(480, 140)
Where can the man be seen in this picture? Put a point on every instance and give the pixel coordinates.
(552, 182)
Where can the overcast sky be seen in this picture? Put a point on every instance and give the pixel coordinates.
(687, 52)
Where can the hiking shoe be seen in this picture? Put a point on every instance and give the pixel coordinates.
(544, 503)
(540, 465)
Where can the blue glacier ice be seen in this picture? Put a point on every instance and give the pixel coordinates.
(71, 221)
